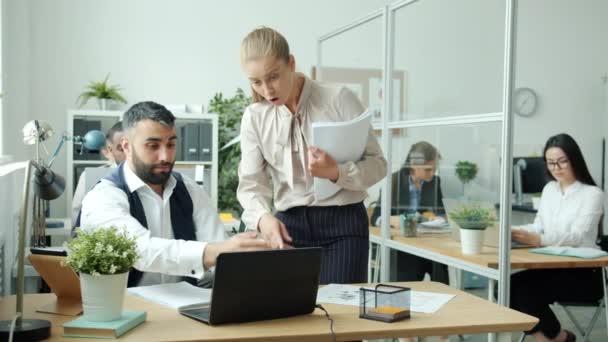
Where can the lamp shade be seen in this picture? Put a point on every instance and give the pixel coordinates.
(48, 185)
(94, 140)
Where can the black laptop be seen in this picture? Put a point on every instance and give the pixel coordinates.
(260, 285)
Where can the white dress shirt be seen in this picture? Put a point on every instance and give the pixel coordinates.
(106, 205)
(80, 192)
(274, 144)
(570, 218)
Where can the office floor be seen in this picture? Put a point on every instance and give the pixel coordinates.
(584, 315)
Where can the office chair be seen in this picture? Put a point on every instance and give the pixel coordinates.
(600, 304)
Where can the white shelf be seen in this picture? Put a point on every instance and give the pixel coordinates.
(90, 162)
(106, 116)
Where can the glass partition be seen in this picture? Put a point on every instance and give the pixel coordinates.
(451, 55)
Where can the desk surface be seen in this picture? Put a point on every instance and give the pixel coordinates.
(521, 258)
(465, 314)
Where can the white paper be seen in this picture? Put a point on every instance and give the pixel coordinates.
(425, 302)
(343, 141)
(174, 295)
(429, 302)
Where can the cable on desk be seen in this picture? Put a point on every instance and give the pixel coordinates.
(331, 320)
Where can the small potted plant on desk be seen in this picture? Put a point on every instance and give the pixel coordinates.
(472, 220)
(103, 258)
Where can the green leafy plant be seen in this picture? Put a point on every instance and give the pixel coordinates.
(472, 217)
(230, 110)
(100, 90)
(466, 171)
(102, 251)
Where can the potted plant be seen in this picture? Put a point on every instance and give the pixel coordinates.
(472, 220)
(466, 172)
(102, 91)
(103, 258)
(230, 110)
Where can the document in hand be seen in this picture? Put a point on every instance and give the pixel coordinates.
(174, 295)
(343, 141)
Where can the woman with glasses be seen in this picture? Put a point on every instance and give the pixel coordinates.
(415, 187)
(569, 214)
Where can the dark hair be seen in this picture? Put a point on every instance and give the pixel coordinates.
(420, 153)
(577, 162)
(116, 128)
(147, 110)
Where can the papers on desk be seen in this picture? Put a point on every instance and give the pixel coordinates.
(343, 141)
(578, 252)
(174, 295)
(425, 302)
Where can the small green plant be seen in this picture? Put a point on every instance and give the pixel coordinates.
(100, 90)
(102, 251)
(466, 171)
(230, 110)
(472, 217)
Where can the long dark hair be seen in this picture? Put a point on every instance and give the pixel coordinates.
(577, 162)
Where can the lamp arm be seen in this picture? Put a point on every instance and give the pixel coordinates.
(64, 137)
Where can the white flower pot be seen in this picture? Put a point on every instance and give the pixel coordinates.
(103, 295)
(471, 240)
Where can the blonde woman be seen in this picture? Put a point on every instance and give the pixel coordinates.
(278, 163)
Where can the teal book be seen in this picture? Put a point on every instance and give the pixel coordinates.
(81, 327)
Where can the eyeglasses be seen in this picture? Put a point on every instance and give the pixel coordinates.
(561, 163)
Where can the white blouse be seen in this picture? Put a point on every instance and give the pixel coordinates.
(570, 218)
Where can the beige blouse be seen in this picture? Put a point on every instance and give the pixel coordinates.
(274, 145)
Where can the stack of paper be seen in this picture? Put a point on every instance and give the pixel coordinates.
(174, 295)
(425, 302)
(343, 141)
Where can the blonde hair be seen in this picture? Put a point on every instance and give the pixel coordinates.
(264, 42)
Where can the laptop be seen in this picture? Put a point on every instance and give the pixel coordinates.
(492, 233)
(261, 285)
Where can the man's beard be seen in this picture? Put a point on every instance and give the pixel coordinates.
(146, 171)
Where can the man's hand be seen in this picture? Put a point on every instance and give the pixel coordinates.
(322, 165)
(247, 241)
(274, 231)
(525, 237)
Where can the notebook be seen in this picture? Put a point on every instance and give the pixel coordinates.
(260, 285)
(80, 327)
(577, 252)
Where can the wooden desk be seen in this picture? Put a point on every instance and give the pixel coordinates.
(442, 248)
(465, 314)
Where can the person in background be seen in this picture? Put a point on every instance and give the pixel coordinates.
(569, 214)
(177, 230)
(278, 163)
(415, 187)
(113, 152)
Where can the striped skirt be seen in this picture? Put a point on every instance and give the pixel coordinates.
(342, 232)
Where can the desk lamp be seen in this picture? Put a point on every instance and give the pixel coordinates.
(47, 186)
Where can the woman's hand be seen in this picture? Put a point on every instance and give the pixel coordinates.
(247, 241)
(525, 237)
(322, 165)
(274, 231)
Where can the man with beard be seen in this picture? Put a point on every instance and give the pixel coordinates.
(178, 232)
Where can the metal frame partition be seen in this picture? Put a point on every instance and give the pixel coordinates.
(505, 117)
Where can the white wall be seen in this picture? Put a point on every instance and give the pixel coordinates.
(168, 51)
